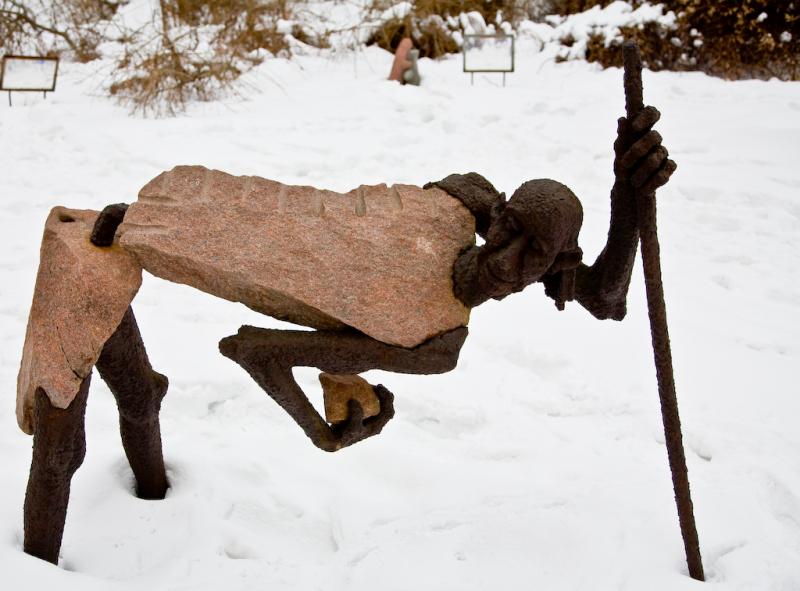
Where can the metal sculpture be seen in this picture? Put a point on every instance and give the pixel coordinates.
(531, 237)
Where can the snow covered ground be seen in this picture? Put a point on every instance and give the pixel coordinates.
(539, 463)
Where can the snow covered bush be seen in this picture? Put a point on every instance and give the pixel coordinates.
(197, 49)
(165, 53)
(742, 38)
(733, 39)
(437, 26)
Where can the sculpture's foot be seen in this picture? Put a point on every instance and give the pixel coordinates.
(356, 428)
(269, 356)
(138, 389)
(59, 446)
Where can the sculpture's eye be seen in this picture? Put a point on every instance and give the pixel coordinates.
(513, 225)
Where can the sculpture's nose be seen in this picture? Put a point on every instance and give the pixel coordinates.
(506, 263)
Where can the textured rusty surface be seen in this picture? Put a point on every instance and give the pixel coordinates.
(531, 236)
(59, 442)
(378, 259)
(105, 227)
(138, 390)
(59, 446)
(643, 187)
(81, 293)
(269, 356)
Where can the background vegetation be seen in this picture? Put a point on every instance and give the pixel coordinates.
(195, 49)
(733, 39)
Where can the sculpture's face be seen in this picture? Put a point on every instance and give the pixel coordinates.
(517, 252)
(541, 220)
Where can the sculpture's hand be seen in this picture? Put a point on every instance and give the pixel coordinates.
(641, 165)
(356, 427)
(641, 160)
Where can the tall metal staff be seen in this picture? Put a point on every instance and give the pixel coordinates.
(651, 260)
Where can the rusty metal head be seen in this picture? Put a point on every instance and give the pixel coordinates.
(540, 221)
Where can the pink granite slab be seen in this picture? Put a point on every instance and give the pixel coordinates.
(378, 258)
(82, 292)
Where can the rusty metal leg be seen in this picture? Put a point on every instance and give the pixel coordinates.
(269, 356)
(59, 446)
(138, 389)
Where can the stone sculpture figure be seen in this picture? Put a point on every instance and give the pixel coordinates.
(405, 68)
(386, 275)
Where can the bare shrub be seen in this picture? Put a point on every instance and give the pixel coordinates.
(162, 78)
(431, 24)
(196, 50)
(55, 27)
(576, 6)
(537, 10)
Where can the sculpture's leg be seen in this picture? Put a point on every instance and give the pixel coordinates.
(59, 446)
(269, 356)
(138, 389)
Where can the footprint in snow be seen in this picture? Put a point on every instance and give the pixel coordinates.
(237, 551)
(723, 281)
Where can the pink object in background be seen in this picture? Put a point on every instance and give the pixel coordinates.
(401, 61)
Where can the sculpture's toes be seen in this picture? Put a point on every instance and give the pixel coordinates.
(386, 399)
(339, 389)
(356, 427)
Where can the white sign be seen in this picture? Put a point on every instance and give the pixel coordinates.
(488, 53)
(29, 73)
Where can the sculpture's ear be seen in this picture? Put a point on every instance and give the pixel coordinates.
(477, 194)
(559, 282)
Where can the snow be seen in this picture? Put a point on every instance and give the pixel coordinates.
(539, 463)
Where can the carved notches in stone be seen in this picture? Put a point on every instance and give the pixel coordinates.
(82, 292)
(378, 259)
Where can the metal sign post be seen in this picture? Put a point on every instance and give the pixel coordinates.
(488, 53)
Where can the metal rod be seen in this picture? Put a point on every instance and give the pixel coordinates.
(646, 217)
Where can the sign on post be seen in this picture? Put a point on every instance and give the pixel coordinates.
(488, 53)
(20, 73)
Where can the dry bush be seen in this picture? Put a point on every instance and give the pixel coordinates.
(431, 35)
(537, 10)
(732, 39)
(163, 78)
(55, 27)
(196, 50)
(576, 6)
(658, 45)
(253, 24)
(743, 38)
(431, 23)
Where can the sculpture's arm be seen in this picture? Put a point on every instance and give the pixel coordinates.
(641, 164)
(477, 194)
